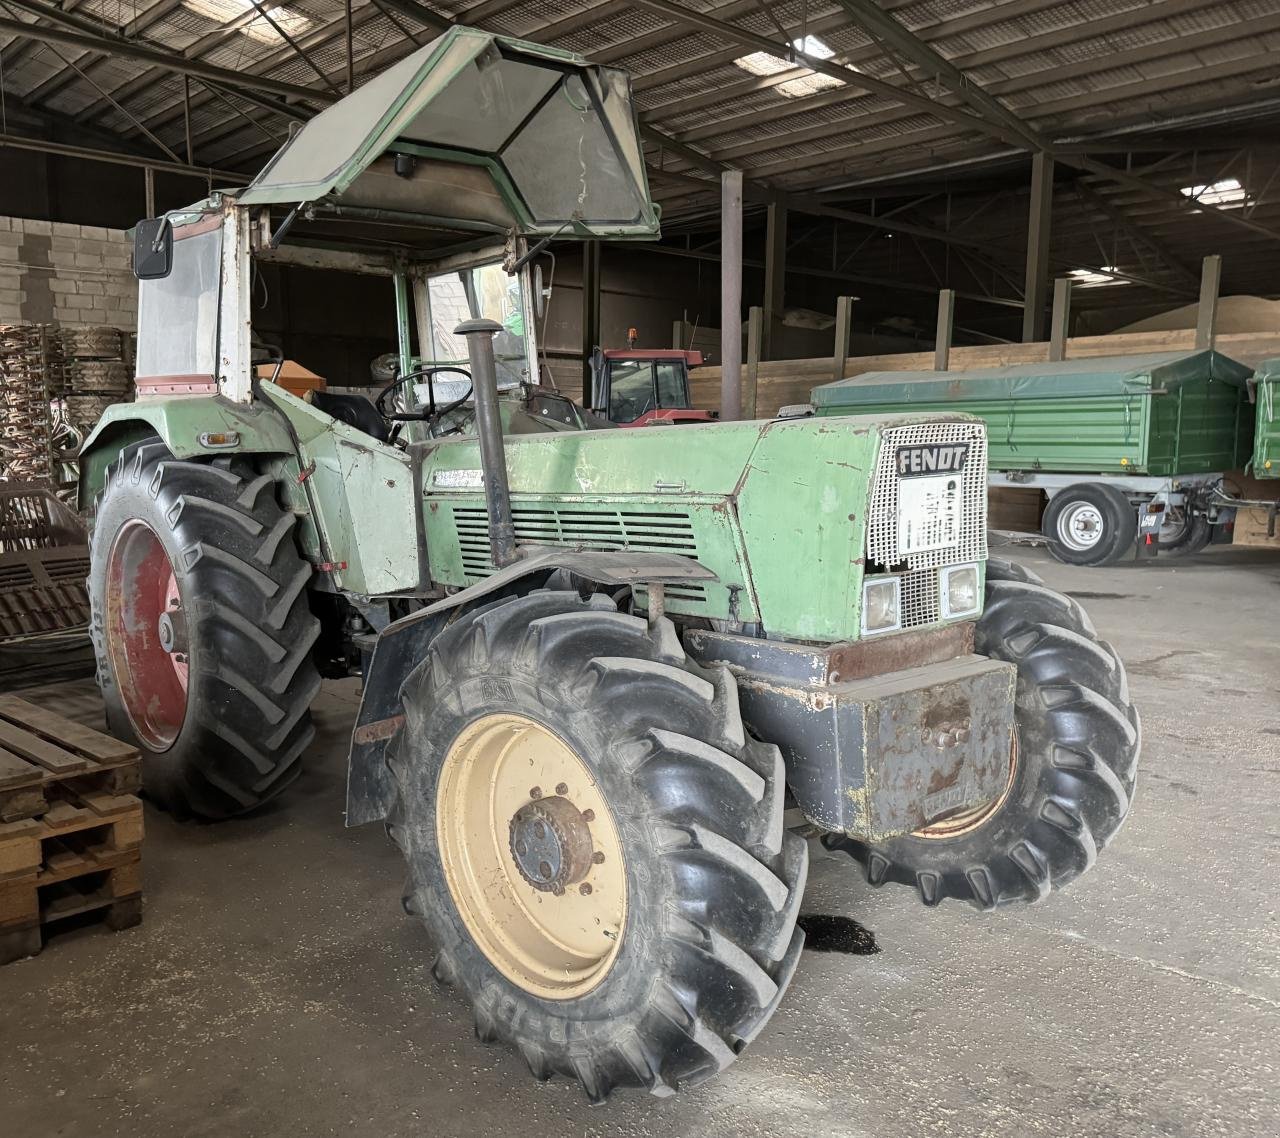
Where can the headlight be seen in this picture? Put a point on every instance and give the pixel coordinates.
(959, 591)
(881, 604)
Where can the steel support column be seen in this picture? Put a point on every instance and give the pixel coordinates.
(775, 271)
(590, 310)
(1038, 218)
(731, 295)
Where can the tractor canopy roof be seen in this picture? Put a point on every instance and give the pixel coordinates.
(474, 133)
(1108, 375)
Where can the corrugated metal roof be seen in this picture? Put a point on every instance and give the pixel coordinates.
(1068, 67)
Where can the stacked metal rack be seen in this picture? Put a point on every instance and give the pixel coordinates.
(31, 370)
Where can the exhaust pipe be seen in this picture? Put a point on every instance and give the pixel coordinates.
(493, 455)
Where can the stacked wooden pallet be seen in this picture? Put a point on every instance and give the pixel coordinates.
(70, 827)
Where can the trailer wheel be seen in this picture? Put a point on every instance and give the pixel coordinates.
(1073, 765)
(201, 629)
(1091, 523)
(1184, 533)
(594, 843)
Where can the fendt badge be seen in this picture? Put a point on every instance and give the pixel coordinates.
(931, 458)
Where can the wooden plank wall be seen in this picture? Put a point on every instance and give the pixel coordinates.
(789, 381)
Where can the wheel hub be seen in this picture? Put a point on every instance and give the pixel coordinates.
(1081, 526)
(172, 630)
(551, 844)
(538, 879)
(146, 634)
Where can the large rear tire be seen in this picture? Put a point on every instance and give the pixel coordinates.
(634, 924)
(201, 629)
(1074, 768)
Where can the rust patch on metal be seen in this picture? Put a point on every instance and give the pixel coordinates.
(376, 731)
(869, 658)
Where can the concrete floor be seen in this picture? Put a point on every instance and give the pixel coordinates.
(275, 988)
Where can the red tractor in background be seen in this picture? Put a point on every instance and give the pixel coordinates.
(634, 387)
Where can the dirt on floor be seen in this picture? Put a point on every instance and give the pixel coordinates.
(275, 987)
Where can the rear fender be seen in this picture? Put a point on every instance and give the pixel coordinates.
(189, 425)
(402, 645)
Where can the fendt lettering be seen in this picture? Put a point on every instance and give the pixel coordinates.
(936, 459)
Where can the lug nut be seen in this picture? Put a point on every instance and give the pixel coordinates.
(597, 858)
(588, 815)
(539, 830)
(584, 889)
(535, 792)
(557, 890)
(521, 848)
(562, 789)
(544, 869)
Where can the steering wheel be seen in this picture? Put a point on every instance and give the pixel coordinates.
(381, 402)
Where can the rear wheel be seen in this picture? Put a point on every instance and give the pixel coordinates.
(1073, 765)
(201, 629)
(1091, 523)
(595, 844)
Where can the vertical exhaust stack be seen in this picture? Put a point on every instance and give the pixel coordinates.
(493, 455)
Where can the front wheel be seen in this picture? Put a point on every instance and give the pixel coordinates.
(1073, 764)
(595, 844)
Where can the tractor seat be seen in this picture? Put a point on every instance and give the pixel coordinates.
(354, 410)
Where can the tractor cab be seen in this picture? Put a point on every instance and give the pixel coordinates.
(637, 387)
(444, 175)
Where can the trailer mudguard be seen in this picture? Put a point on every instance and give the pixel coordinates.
(402, 644)
(191, 426)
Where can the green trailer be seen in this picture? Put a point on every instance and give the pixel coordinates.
(1266, 435)
(1124, 448)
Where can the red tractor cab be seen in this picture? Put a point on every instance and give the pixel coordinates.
(634, 387)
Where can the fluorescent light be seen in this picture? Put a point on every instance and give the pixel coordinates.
(1227, 192)
(224, 11)
(764, 63)
(813, 46)
(1088, 278)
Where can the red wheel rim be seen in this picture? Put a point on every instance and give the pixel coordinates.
(144, 606)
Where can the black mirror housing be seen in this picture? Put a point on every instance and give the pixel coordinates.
(152, 249)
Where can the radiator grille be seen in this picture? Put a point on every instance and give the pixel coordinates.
(646, 531)
(919, 571)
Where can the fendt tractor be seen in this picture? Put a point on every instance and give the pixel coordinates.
(612, 680)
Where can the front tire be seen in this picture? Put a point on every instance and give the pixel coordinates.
(201, 629)
(645, 934)
(1073, 778)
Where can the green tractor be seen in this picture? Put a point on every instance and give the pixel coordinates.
(612, 680)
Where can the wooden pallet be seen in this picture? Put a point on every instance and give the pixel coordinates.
(46, 758)
(81, 857)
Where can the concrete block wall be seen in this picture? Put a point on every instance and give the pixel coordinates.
(54, 272)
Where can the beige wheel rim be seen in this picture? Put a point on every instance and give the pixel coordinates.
(531, 856)
(965, 821)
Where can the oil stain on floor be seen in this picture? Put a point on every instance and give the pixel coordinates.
(837, 934)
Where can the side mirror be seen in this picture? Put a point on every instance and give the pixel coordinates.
(152, 249)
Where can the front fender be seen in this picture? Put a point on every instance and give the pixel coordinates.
(180, 421)
(405, 642)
